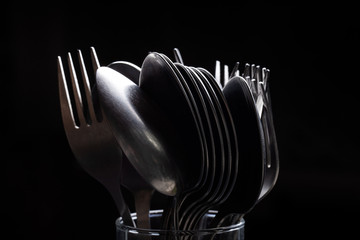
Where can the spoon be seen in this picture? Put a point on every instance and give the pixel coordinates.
(141, 190)
(160, 79)
(222, 161)
(162, 84)
(251, 146)
(150, 143)
(187, 205)
(231, 144)
(128, 69)
(131, 179)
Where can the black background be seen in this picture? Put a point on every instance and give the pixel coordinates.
(312, 54)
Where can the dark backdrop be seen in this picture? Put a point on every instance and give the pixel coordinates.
(314, 81)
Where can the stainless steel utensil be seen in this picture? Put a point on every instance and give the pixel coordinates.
(224, 173)
(141, 190)
(178, 94)
(161, 83)
(207, 142)
(214, 193)
(230, 147)
(91, 139)
(216, 165)
(145, 134)
(258, 81)
(203, 189)
(131, 179)
(261, 76)
(128, 69)
(178, 57)
(251, 146)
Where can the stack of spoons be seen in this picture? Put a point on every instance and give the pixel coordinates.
(206, 141)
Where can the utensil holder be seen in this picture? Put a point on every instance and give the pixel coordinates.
(228, 232)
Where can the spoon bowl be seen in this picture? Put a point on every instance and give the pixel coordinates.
(251, 147)
(172, 95)
(141, 190)
(143, 131)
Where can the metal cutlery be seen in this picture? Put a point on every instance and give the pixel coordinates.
(251, 146)
(217, 165)
(178, 95)
(147, 142)
(257, 79)
(142, 191)
(230, 147)
(261, 76)
(205, 141)
(89, 134)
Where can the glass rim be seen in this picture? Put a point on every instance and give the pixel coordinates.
(119, 225)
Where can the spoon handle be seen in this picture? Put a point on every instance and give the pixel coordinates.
(122, 206)
(225, 219)
(142, 206)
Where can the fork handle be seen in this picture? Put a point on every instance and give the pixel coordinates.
(126, 216)
(122, 207)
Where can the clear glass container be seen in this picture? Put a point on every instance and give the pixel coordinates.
(227, 232)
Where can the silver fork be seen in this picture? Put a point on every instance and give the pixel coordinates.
(226, 76)
(258, 81)
(260, 78)
(89, 134)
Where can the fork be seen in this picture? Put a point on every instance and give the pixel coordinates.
(258, 82)
(260, 76)
(88, 133)
(226, 76)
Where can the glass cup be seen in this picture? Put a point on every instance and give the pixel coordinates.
(226, 232)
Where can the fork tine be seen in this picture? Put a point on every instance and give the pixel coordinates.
(258, 78)
(87, 87)
(65, 103)
(254, 87)
(248, 80)
(252, 71)
(76, 90)
(253, 77)
(235, 70)
(251, 86)
(217, 72)
(259, 82)
(178, 56)
(258, 75)
(266, 76)
(264, 80)
(246, 70)
(226, 75)
(94, 60)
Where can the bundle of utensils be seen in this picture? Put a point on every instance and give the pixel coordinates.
(207, 141)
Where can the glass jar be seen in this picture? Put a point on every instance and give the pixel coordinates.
(226, 232)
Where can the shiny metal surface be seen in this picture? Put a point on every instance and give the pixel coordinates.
(128, 69)
(142, 191)
(229, 148)
(179, 94)
(163, 86)
(202, 190)
(251, 146)
(261, 76)
(90, 139)
(205, 141)
(147, 141)
(216, 162)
